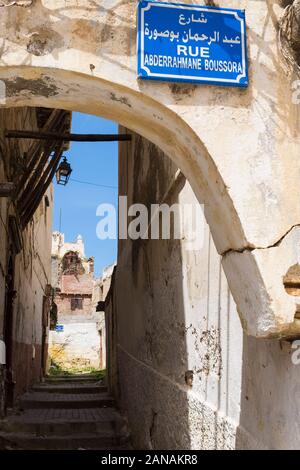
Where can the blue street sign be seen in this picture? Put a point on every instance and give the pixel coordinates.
(59, 328)
(191, 43)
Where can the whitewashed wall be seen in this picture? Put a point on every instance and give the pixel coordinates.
(78, 346)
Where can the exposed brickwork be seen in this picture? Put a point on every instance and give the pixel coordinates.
(41, 415)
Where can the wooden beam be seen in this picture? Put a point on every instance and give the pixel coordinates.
(7, 189)
(15, 134)
(43, 185)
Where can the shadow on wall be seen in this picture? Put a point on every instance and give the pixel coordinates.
(152, 353)
(270, 396)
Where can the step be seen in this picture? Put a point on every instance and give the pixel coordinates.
(100, 441)
(63, 400)
(73, 378)
(64, 421)
(70, 388)
(87, 375)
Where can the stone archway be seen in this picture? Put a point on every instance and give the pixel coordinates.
(229, 143)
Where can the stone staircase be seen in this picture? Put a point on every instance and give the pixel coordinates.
(66, 413)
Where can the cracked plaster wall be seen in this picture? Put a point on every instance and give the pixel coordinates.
(238, 148)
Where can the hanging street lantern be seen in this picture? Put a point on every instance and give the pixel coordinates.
(63, 172)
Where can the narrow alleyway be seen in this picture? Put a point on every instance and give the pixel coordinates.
(65, 413)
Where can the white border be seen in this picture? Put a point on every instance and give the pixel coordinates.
(190, 77)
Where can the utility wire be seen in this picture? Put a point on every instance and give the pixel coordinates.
(93, 184)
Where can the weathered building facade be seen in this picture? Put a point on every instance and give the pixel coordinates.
(101, 289)
(73, 276)
(175, 338)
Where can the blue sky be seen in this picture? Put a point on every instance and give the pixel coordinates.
(95, 163)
